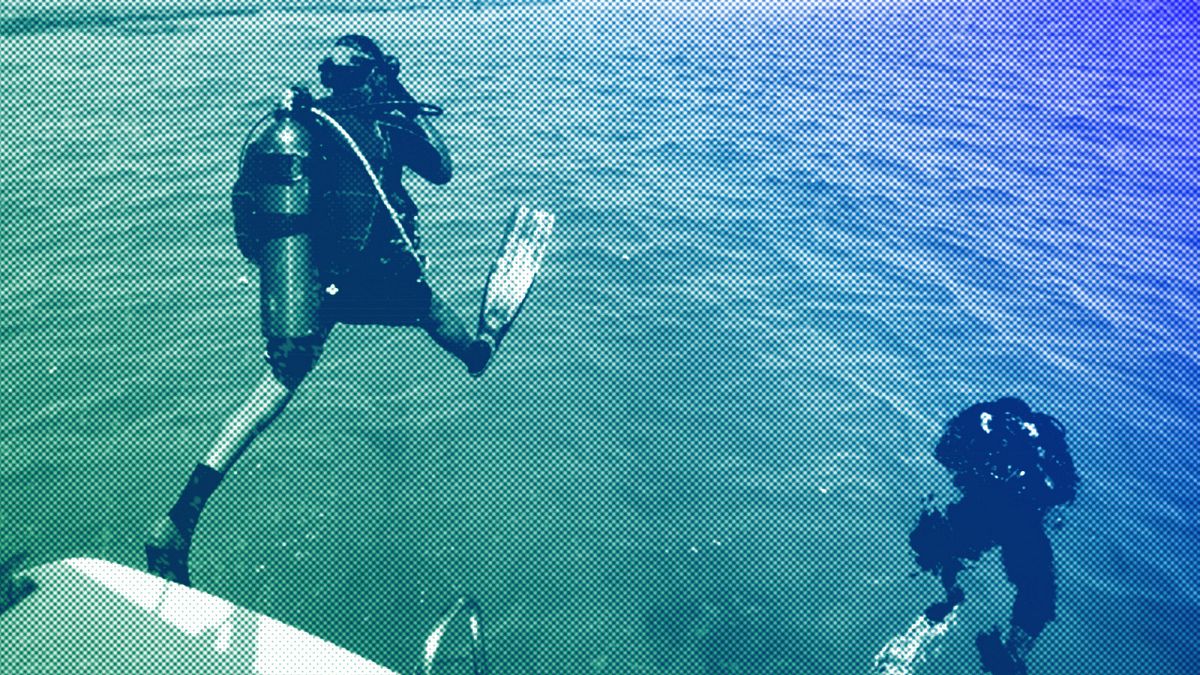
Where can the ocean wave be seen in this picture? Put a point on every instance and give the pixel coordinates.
(50, 20)
(791, 283)
(28, 19)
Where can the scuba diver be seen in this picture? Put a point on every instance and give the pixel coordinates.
(1012, 466)
(319, 207)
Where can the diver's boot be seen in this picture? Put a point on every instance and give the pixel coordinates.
(938, 611)
(170, 539)
(479, 354)
(167, 552)
(998, 658)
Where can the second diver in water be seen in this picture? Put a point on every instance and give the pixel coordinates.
(1012, 466)
(320, 208)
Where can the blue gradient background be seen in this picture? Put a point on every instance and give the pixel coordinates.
(793, 240)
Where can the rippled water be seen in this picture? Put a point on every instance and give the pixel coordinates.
(792, 242)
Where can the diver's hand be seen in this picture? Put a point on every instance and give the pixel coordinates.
(439, 144)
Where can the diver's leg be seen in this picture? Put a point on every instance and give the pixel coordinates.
(504, 294)
(448, 329)
(169, 542)
(1029, 565)
(938, 611)
(263, 406)
(938, 550)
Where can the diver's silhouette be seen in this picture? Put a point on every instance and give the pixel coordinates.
(1011, 466)
(319, 206)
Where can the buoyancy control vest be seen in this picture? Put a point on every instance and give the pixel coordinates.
(342, 213)
(349, 214)
(305, 206)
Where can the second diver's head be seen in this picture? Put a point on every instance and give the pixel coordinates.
(1004, 444)
(355, 63)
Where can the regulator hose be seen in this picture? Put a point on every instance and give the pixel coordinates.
(366, 164)
(408, 106)
(246, 141)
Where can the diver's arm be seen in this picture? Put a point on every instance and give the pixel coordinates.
(438, 143)
(417, 144)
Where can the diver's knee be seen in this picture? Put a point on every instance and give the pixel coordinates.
(1034, 608)
(292, 359)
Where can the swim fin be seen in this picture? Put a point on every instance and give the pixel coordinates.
(513, 273)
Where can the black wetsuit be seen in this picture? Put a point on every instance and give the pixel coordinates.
(365, 272)
(1012, 466)
(371, 279)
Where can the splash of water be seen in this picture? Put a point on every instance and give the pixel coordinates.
(910, 647)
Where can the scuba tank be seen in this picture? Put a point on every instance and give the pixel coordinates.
(273, 218)
(275, 214)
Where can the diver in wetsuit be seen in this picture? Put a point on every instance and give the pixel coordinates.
(1012, 466)
(320, 208)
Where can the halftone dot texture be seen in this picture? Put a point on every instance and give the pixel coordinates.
(793, 239)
